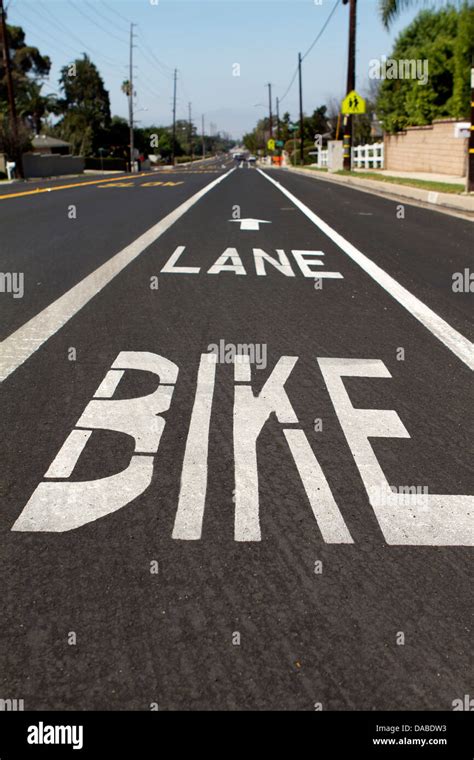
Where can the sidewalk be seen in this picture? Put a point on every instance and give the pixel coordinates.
(451, 203)
(451, 179)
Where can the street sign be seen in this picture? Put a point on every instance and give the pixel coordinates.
(353, 103)
(271, 144)
(279, 143)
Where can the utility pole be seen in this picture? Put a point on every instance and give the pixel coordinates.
(470, 155)
(173, 139)
(203, 141)
(270, 109)
(130, 99)
(190, 128)
(11, 94)
(278, 130)
(301, 111)
(348, 120)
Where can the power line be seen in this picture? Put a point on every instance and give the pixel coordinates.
(310, 48)
(62, 51)
(147, 86)
(62, 28)
(290, 85)
(164, 66)
(322, 29)
(113, 10)
(96, 24)
(93, 8)
(150, 62)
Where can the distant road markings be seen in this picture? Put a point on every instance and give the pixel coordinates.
(162, 184)
(144, 184)
(116, 184)
(452, 339)
(39, 190)
(22, 343)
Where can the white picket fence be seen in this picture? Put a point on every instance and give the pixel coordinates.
(363, 157)
(322, 158)
(368, 156)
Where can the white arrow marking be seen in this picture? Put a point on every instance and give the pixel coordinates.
(250, 224)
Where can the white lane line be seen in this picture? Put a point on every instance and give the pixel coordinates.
(452, 339)
(22, 343)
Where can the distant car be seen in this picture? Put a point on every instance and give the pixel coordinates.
(252, 159)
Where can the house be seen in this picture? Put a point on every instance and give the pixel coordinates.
(44, 144)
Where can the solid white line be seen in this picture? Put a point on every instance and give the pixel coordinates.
(22, 343)
(452, 339)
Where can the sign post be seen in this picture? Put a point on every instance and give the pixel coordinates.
(470, 144)
(352, 104)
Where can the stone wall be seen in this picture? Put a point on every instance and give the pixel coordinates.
(427, 149)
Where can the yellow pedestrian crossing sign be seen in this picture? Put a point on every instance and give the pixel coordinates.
(271, 144)
(353, 103)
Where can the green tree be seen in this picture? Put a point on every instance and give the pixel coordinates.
(432, 36)
(390, 9)
(36, 107)
(28, 68)
(85, 106)
(27, 65)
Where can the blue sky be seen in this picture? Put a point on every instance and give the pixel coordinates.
(203, 39)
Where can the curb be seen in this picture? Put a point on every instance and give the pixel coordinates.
(437, 201)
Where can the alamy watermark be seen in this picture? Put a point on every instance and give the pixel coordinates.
(463, 282)
(393, 68)
(407, 496)
(13, 283)
(230, 353)
(12, 705)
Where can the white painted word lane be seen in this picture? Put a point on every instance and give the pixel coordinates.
(60, 503)
(231, 261)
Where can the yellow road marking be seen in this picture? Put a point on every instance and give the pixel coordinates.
(116, 184)
(39, 190)
(162, 184)
(64, 187)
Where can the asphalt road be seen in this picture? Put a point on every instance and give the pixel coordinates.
(247, 553)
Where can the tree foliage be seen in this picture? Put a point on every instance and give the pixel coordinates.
(444, 38)
(316, 124)
(29, 67)
(85, 107)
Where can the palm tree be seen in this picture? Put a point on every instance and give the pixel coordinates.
(35, 106)
(390, 9)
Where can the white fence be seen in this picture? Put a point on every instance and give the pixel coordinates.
(368, 156)
(363, 157)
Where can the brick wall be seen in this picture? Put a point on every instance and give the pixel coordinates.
(427, 149)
